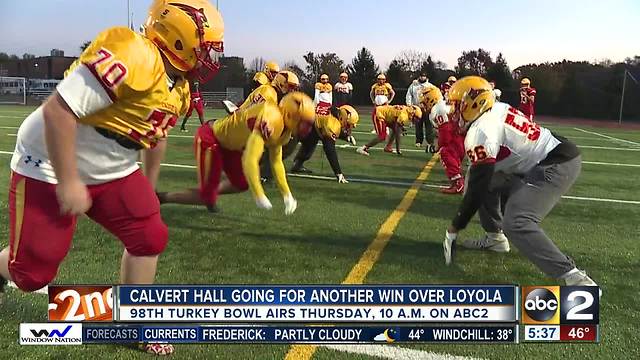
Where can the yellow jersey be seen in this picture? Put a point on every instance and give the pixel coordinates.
(259, 126)
(233, 131)
(327, 125)
(384, 89)
(262, 94)
(324, 88)
(261, 78)
(392, 114)
(131, 70)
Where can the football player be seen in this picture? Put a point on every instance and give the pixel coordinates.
(234, 145)
(282, 83)
(395, 117)
(445, 86)
(381, 93)
(323, 93)
(76, 154)
(450, 138)
(343, 90)
(527, 98)
(336, 122)
(196, 103)
(500, 139)
(266, 76)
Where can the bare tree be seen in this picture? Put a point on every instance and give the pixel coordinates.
(257, 64)
(412, 60)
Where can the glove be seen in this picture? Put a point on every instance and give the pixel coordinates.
(449, 245)
(263, 203)
(290, 204)
(351, 140)
(342, 179)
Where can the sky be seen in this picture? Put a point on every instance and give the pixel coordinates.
(284, 30)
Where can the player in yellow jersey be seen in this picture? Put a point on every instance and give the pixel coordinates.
(323, 93)
(336, 123)
(395, 117)
(234, 145)
(76, 154)
(266, 76)
(283, 83)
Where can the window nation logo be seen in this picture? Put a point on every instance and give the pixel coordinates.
(51, 334)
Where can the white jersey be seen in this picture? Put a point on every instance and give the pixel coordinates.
(99, 159)
(505, 136)
(439, 114)
(343, 88)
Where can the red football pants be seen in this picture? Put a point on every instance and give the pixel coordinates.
(212, 159)
(451, 149)
(40, 238)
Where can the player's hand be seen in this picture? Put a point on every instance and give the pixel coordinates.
(290, 204)
(342, 179)
(73, 197)
(449, 246)
(263, 203)
(351, 140)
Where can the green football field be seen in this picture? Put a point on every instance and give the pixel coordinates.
(597, 224)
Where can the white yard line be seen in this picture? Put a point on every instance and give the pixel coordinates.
(396, 183)
(609, 164)
(395, 352)
(608, 137)
(44, 290)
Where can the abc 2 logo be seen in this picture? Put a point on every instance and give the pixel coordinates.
(554, 305)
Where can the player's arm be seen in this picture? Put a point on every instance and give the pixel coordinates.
(80, 94)
(479, 179)
(251, 168)
(280, 176)
(392, 94)
(372, 95)
(397, 130)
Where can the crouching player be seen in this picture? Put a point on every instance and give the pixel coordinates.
(76, 154)
(450, 139)
(395, 117)
(335, 123)
(502, 139)
(235, 144)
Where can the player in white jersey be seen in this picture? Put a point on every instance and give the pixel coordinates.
(542, 167)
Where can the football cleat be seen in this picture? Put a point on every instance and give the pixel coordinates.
(363, 151)
(449, 247)
(418, 145)
(373, 132)
(157, 349)
(577, 277)
(389, 149)
(213, 208)
(456, 187)
(497, 242)
(298, 168)
(3, 283)
(183, 129)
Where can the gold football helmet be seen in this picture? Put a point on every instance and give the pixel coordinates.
(190, 34)
(348, 116)
(472, 96)
(429, 97)
(285, 81)
(298, 113)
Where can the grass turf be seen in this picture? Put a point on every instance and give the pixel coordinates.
(332, 227)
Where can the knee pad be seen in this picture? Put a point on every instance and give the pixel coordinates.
(152, 240)
(32, 279)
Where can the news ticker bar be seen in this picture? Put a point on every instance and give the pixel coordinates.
(403, 304)
(60, 333)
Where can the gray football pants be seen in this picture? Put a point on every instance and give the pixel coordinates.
(526, 201)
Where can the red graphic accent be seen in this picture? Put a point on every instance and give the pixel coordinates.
(80, 303)
(522, 123)
(478, 154)
(257, 99)
(251, 123)
(323, 108)
(578, 333)
(503, 153)
(265, 130)
(113, 76)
